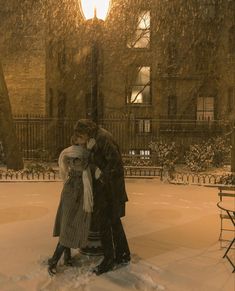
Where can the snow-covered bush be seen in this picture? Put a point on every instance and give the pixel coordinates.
(132, 160)
(165, 154)
(211, 153)
(199, 157)
(36, 168)
(222, 150)
(228, 179)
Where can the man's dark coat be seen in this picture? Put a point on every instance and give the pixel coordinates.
(111, 193)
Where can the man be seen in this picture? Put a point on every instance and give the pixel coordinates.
(111, 196)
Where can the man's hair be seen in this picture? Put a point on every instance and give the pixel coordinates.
(73, 139)
(85, 126)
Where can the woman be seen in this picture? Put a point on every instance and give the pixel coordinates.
(73, 217)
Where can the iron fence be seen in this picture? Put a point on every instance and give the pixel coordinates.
(43, 138)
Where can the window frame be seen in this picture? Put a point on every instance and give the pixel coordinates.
(144, 126)
(205, 111)
(128, 39)
(130, 86)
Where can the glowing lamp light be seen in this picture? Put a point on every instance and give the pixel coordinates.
(95, 8)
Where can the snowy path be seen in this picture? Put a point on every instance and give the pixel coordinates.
(172, 230)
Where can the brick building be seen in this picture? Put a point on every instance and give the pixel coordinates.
(162, 66)
(23, 56)
(157, 60)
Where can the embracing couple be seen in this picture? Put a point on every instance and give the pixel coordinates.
(94, 188)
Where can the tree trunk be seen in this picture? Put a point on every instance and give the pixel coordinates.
(7, 131)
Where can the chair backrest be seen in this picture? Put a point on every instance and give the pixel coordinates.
(226, 191)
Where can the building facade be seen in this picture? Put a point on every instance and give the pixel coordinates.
(156, 60)
(22, 53)
(161, 66)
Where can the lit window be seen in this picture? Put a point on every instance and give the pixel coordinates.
(132, 152)
(139, 87)
(143, 126)
(141, 37)
(205, 108)
(145, 154)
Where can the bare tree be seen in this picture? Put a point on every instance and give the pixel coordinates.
(7, 132)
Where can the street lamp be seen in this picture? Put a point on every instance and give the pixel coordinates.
(92, 9)
(95, 11)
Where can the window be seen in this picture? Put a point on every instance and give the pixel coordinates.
(132, 152)
(141, 37)
(204, 54)
(51, 102)
(139, 86)
(231, 99)
(143, 126)
(205, 108)
(172, 53)
(145, 154)
(61, 104)
(61, 57)
(231, 40)
(172, 107)
(207, 9)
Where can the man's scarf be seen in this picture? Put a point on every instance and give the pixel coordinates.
(76, 151)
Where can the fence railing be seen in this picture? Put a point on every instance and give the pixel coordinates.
(130, 172)
(193, 178)
(43, 138)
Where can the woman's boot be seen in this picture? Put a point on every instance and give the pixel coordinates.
(67, 257)
(52, 262)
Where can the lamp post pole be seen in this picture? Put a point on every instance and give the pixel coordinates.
(95, 76)
(95, 11)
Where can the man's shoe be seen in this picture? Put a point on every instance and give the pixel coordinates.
(123, 260)
(104, 267)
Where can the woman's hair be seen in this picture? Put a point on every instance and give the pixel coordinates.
(85, 126)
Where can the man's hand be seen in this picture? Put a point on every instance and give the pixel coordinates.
(97, 173)
(91, 143)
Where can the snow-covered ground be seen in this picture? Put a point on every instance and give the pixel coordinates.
(172, 231)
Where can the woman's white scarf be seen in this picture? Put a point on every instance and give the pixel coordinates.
(76, 151)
